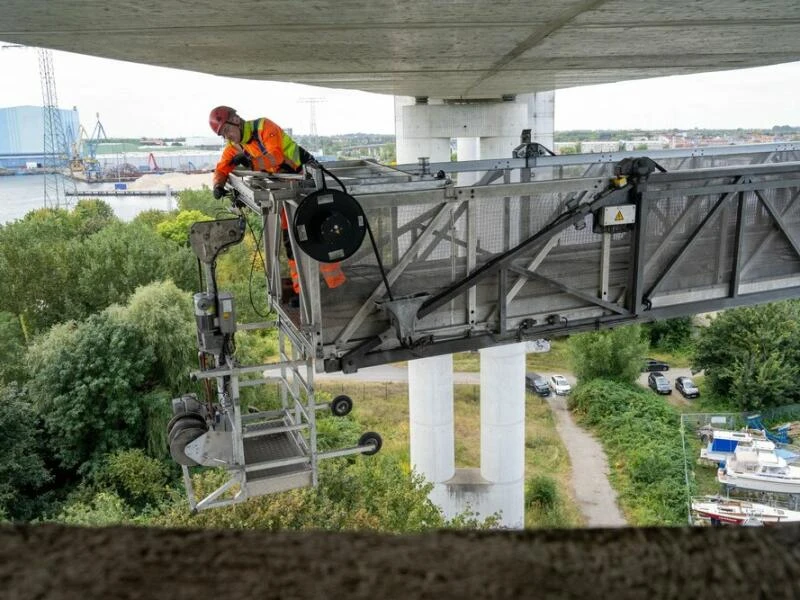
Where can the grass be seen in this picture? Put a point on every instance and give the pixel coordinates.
(557, 360)
(546, 455)
(678, 359)
(383, 407)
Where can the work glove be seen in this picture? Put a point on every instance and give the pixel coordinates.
(242, 160)
(219, 191)
(306, 158)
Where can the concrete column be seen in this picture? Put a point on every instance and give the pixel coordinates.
(414, 136)
(468, 149)
(499, 146)
(541, 116)
(503, 430)
(431, 434)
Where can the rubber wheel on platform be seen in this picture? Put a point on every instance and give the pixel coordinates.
(341, 406)
(329, 225)
(370, 438)
(183, 433)
(200, 419)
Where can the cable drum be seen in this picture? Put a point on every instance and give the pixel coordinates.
(329, 225)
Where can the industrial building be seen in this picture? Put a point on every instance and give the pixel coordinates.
(22, 135)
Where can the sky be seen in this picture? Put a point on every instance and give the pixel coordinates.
(137, 100)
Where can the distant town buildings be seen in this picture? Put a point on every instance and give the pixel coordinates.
(623, 141)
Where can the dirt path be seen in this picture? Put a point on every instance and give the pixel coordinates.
(593, 492)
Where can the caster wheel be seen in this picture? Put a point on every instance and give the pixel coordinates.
(370, 439)
(341, 406)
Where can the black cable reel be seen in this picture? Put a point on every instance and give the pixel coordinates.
(329, 225)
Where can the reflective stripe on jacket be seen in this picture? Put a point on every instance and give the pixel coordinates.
(269, 147)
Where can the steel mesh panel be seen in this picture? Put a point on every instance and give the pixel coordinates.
(501, 223)
(569, 273)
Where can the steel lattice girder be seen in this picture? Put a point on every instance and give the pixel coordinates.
(504, 262)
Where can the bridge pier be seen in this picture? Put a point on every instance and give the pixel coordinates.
(482, 129)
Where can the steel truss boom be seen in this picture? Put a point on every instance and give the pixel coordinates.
(563, 245)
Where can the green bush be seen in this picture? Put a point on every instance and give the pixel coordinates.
(616, 354)
(102, 510)
(355, 493)
(641, 436)
(541, 491)
(136, 478)
(669, 334)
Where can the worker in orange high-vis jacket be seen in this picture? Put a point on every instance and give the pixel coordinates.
(262, 145)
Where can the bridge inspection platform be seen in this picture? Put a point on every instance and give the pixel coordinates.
(539, 246)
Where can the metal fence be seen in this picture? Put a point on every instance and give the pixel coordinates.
(692, 426)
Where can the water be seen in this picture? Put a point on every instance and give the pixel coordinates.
(20, 194)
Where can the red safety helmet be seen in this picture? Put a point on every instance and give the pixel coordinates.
(219, 116)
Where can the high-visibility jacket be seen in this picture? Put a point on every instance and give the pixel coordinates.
(269, 147)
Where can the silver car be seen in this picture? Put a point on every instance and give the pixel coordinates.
(560, 385)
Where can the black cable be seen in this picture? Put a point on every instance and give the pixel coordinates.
(339, 181)
(199, 274)
(253, 266)
(378, 258)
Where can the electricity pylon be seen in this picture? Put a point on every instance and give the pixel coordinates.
(312, 112)
(56, 146)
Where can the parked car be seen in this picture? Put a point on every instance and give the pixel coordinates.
(659, 383)
(560, 385)
(686, 386)
(651, 364)
(538, 384)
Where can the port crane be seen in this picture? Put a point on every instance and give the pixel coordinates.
(84, 163)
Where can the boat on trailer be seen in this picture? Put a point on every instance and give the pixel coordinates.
(728, 511)
(752, 468)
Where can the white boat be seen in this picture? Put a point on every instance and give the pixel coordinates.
(739, 512)
(723, 443)
(752, 468)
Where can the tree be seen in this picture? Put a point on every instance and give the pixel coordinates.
(35, 267)
(751, 355)
(120, 258)
(669, 334)
(162, 315)
(616, 354)
(92, 215)
(52, 272)
(177, 228)
(199, 200)
(12, 349)
(86, 381)
(22, 467)
(151, 218)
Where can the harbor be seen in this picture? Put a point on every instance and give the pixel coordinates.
(20, 195)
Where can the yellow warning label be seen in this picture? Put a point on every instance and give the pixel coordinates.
(619, 216)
